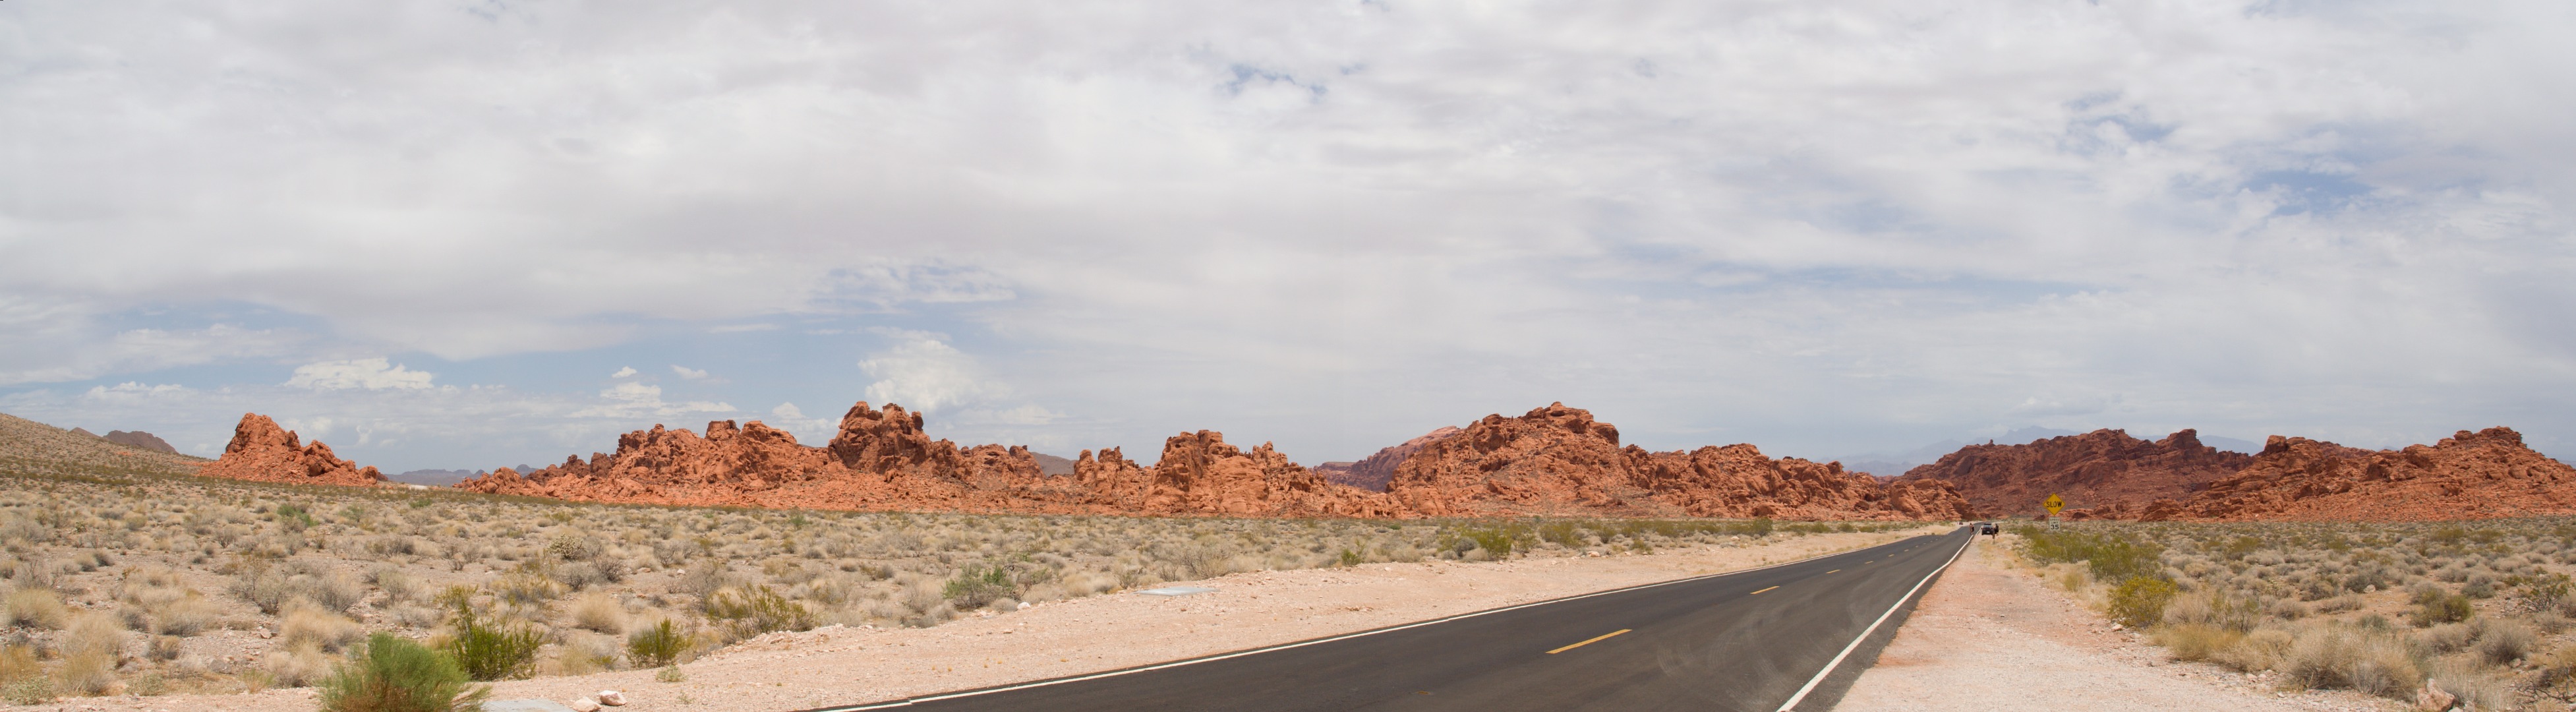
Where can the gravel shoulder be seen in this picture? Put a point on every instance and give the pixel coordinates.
(841, 665)
(1991, 637)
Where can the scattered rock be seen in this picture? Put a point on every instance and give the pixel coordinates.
(612, 698)
(2433, 698)
(584, 704)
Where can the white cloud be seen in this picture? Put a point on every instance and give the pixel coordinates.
(632, 400)
(926, 374)
(688, 373)
(623, 372)
(368, 373)
(1789, 221)
(811, 431)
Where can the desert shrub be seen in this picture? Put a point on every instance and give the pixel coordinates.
(488, 650)
(18, 662)
(294, 518)
(398, 586)
(296, 665)
(2213, 608)
(2503, 642)
(599, 611)
(2441, 608)
(325, 629)
(189, 615)
(2339, 604)
(978, 585)
(2140, 601)
(2109, 556)
(36, 608)
(2347, 657)
(2476, 689)
(527, 585)
(2448, 637)
(2262, 649)
(391, 674)
(748, 612)
(2195, 642)
(88, 672)
(656, 645)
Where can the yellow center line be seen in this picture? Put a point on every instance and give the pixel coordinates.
(1587, 642)
(1834, 571)
(1767, 589)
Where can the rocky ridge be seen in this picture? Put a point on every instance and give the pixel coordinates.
(2100, 468)
(1555, 460)
(2488, 473)
(264, 452)
(1560, 461)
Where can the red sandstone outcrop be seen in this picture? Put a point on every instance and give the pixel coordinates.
(2489, 473)
(2095, 469)
(1555, 460)
(1372, 473)
(881, 460)
(1560, 461)
(262, 451)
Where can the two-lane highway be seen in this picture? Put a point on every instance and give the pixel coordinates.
(1750, 640)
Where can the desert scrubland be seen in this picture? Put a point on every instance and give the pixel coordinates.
(126, 575)
(2470, 613)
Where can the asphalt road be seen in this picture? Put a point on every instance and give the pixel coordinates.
(1746, 641)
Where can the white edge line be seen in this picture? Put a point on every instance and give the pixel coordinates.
(1346, 636)
(1873, 627)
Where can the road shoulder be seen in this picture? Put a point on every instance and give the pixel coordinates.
(1989, 637)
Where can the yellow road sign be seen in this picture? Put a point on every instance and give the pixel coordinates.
(2053, 503)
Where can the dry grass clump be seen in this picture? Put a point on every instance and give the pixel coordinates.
(2479, 609)
(36, 608)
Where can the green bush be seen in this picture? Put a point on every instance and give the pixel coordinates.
(2140, 601)
(1496, 541)
(490, 651)
(756, 611)
(396, 675)
(2110, 556)
(978, 585)
(294, 518)
(657, 645)
(2441, 608)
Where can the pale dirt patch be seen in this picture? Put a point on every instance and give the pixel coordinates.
(837, 665)
(1990, 637)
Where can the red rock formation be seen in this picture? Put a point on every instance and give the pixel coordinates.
(2489, 473)
(1559, 461)
(262, 451)
(2103, 467)
(1372, 473)
(1556, 460)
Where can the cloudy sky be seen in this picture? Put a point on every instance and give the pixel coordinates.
(473, 233)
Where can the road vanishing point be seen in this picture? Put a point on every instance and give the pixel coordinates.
(1785, 637)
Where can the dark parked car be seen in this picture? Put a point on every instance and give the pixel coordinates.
(1988, 528)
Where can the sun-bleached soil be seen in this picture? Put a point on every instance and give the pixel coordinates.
(843, 665)
(1990, 637)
